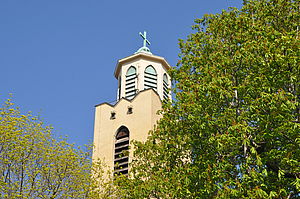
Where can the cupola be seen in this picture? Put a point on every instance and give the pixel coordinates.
(142, 71)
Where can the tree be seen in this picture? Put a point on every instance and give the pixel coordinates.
(35, 165)
(233, 129)
(102, 186)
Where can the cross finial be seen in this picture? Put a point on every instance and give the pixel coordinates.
(144, 49)
(146, 41)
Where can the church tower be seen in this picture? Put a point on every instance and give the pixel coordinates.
(143, 84)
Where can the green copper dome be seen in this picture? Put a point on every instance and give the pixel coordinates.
(144, 49)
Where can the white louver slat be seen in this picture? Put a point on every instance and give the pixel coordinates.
(130, 83)
(150, 78)
(165, 87)
(121, 158)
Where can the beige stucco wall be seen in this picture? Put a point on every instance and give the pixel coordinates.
(143, 118)
(145, 106)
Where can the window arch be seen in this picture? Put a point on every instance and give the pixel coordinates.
(121, 157)
(131, 71)
(130, 82)
(165, 87)
(150, 80)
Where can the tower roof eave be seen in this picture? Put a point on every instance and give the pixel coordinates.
(141, 55)
(130, 100)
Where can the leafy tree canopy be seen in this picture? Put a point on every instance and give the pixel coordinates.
(35, 165)
(233, 130)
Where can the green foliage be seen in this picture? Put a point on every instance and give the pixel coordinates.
(233, 130)
(35, 165)
(102, 186)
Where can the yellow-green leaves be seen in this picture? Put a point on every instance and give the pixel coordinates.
(35, 165)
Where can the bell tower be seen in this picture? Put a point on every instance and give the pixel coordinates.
(143, 84)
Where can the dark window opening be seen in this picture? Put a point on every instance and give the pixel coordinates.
(121, 157)
(129, 111)
(113, 115)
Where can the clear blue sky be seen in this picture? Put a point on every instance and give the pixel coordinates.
(57, 57)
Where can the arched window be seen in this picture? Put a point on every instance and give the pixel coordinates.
(150, 78)
(121, 151)
(130, 84)
(165, 87)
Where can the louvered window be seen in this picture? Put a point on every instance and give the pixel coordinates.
(150, 78)
(130, 84)
(121, 151)
(119, 88)
(165, 87)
